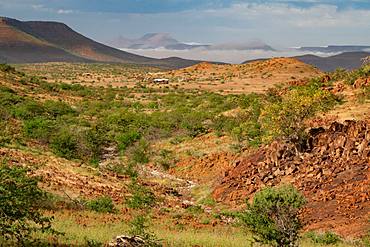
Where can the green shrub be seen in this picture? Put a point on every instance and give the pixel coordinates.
(273, 215)
(19, 213)
(8, 98)
(339, 74)
(102, 205)
(57, 108)
(65, 145)
(193, 122)
(363, 95)
(141, 197)
(6, 68)
(38, 128)
(93, 243)
(286, 117)
(28, 109)
(127, 139)
(139, 153)
(96, 138)
(326, 238)
(195, 209)
(139, 226)
(5, 135)
(4, 114)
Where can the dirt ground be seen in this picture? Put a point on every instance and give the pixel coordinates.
(252, 77)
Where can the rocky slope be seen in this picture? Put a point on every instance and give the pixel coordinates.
(332, 169)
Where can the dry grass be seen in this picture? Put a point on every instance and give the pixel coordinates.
(84, 225)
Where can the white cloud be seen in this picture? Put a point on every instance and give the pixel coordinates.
(227, 56)
(278, 23)
(65, 11)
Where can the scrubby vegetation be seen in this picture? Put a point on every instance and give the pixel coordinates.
(89, 125)
(273, 216)
(110, 117)
(349, 77)
(20, 215)
(101, 205)
(327, 238)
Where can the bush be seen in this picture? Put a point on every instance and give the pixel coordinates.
(96, 138)
(127, 139)
(102, 205)
(324, 238)
(286, 117)
(38, 128)
(139, 226)
(195, 209)
(8, 133)
(28, 109)
(139, 153)
(19, 214)
(8, 97)
(57, 108)
(65, 145)
(273, 216)
(7, 68)
(141, 197)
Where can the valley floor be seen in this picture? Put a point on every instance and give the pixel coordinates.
(185, 158)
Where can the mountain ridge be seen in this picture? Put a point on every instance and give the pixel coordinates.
(152, 41)
(166, 41)
(45, 41)
(335, 48)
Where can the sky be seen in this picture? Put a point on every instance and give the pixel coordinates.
(279, 23)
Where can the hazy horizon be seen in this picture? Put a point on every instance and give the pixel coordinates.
(279, 23)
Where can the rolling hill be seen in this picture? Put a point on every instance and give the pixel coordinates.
(256, 76)
(346, 60)
(38, 41)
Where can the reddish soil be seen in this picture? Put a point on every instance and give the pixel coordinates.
(332, 170)
(65, 177)
(204, 169)
(242, 78)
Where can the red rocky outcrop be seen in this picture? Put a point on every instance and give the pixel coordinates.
(332, 169)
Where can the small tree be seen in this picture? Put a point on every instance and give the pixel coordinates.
(19, 215)
(273, 216)
(139, 226)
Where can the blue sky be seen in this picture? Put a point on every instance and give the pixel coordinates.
(281, 23)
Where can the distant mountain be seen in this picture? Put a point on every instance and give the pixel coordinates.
(346, 60)
(17, 46)
(242, 46)
(164, 40)
(335, 48)
(37, 41)
(152, 41)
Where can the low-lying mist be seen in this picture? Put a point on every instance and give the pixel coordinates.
(226, 56)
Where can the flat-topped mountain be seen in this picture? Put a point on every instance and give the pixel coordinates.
(346, 60)
(335, 48)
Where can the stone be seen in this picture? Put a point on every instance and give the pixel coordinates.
(127, 241)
